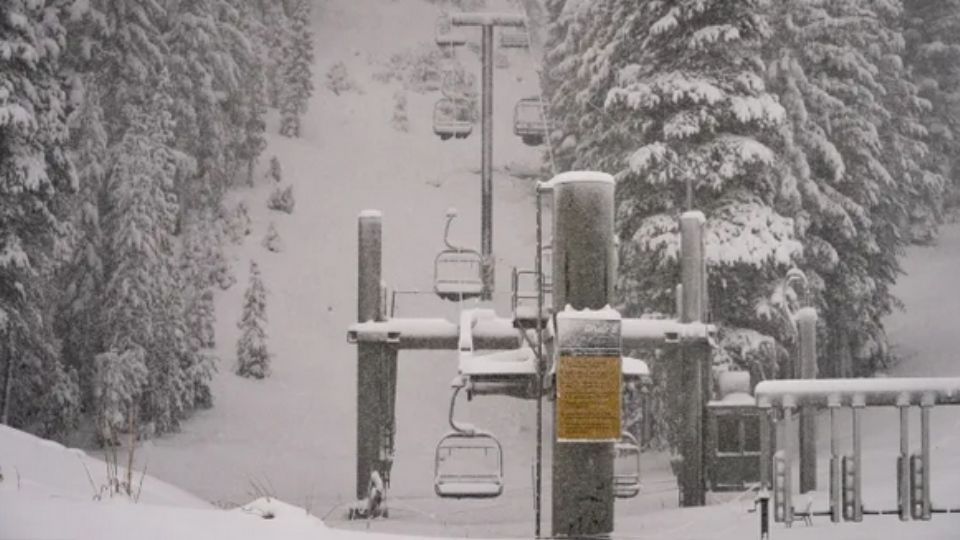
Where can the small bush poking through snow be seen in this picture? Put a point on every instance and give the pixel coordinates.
(282, 200)
(338, 80)
(272, 240)
(275, 172)
(400, 121)
(238, 224)
(253, 359)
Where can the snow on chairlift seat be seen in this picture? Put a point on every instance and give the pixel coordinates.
(514, 38)
(626, 467)
(451, 120)
(457, 274)
(528, 121)
(506, 373)
(457, 471)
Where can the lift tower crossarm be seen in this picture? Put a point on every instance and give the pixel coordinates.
(497, 333)
(487, 19)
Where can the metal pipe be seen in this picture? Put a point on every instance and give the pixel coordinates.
(486, 165)
(836, 505)
(693, 359)
(538, 474)
(766, 455)
(487, 19)
(925, 459)
(369, 249)
(807, 329)
(857, 463)
(903, 471)
(788, 465)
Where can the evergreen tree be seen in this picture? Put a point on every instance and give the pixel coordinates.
(933, 51)
(39, 393)
(296, 71)
(253, 359)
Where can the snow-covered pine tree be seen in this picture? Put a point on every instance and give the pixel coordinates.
(203, 73)
(142, 299)
(275, 172)
(933, 53)
(272, 240)
(855, 156)
(297, 85)
(277, 28)
(253, 359)
(38, 392)
(81, 278)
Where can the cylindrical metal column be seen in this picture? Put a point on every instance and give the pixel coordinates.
(376, 362)
(583, 277)
(836, 505)
(925, 458)
(903, 468)
(807, 330)
(693, 360)
(766, 448)
(788, 464)
(857, 460)
(486, 162)
(369, 265)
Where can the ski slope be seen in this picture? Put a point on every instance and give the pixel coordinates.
(292, 436)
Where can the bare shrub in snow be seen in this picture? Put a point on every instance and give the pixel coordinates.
(282, 200)
(400, 120)
(339, 81)
(253, 359)
(272, 240)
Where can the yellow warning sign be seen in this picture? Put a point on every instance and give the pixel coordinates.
(588, 398)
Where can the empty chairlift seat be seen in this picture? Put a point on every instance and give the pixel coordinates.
(528, 121)
(468, 465)
(446, 35)
(457, 274)
(451, 119)
(514, 38)
(626, 467)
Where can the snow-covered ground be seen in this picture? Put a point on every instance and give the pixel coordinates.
(292, 436)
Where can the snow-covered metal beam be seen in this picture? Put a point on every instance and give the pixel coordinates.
(903, 391)
(497, 333)
(435, 334)
(487, 19)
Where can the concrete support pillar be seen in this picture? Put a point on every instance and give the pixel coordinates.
(583, 277)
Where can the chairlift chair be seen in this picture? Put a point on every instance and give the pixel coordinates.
(514, 38)
(457, 274)
(445, 36)
(458, 84)
(626, 467)
(468, 465)
(450, 120)
(528, 122)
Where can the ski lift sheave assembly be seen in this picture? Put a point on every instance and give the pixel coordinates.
(468, 462)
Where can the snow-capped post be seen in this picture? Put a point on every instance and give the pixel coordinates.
(486, 21)
(584, 272)
(694, 356)
(376, 363)
(369, 251)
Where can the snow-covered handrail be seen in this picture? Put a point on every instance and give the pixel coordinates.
(487, 19)
(903, 391)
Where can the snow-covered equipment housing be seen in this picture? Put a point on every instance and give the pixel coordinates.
(733, 434)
